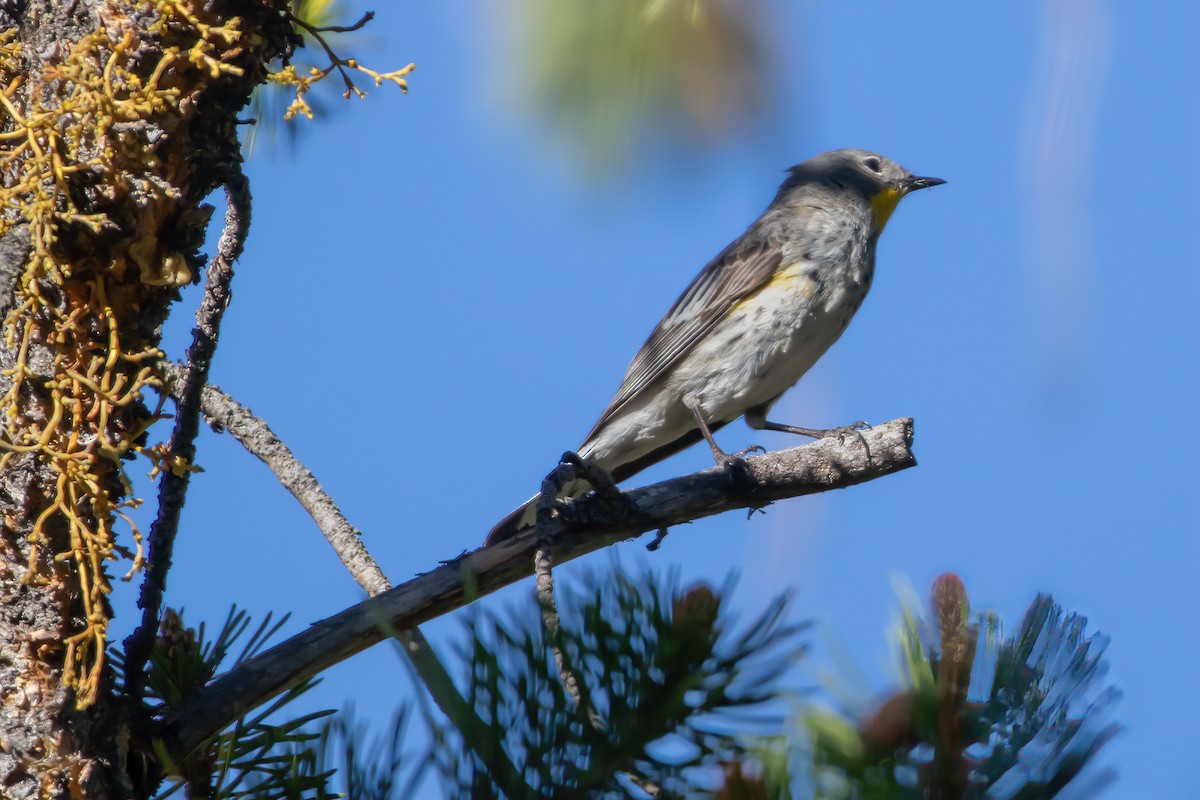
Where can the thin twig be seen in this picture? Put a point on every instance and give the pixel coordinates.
(256, 436)
(339, 63)
(817, 467)
(173, 486)
(544, 581)
(549, 525)
(367, 17)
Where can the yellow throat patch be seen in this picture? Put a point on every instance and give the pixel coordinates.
(883, 204)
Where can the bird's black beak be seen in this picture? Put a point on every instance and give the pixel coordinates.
(915, 183)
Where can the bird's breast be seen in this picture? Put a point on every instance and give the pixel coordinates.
(770, 339)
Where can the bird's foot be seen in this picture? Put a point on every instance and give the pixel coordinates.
(606, 503)
(754, 448)
(723, 459)
(737, 468)
(735, 464)
(854, 429)
(739, 473)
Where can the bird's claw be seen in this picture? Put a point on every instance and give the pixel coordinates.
(739, 471)
(855, 429)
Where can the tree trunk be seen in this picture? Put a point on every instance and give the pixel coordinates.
(117, 119)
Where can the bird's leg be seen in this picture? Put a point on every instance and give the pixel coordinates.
(729, 460)
(841, 433)
(722, 458)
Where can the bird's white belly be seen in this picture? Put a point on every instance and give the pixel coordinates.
(752, 356)
(764, 346)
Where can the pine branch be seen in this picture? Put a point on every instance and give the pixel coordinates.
(816, 467)
(664, 687)
(976, 716)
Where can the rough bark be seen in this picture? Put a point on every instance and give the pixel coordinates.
(118, 118)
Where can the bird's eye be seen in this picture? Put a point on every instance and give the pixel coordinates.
(873, 164)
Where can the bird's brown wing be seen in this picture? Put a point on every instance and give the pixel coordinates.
(740, 270)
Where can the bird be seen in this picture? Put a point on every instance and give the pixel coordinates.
(755, 319)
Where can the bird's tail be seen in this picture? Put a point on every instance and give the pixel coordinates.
(525, 515)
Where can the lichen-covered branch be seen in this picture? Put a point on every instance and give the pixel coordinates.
(821, 466)
(117, 119)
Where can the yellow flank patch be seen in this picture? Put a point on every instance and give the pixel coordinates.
(791, 278)
(794, 278)
(883, 204)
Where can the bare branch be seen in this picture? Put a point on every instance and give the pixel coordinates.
(257, 437)
(817, 467)
(363, 20)
(172, 488)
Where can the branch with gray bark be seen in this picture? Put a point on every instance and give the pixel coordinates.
(817, 467)
(252, 432)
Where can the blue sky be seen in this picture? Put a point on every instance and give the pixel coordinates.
(433, 306)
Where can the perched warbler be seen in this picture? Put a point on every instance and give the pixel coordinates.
(754, 320)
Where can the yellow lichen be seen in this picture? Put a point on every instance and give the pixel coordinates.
(104, 205)
(62, 131)
(302, 83)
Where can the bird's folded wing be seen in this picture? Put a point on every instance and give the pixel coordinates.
(742, 269)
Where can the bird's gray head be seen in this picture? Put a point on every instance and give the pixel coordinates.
(880, 181)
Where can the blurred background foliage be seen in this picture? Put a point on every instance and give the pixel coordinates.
(607, 78)
(672, 698)
(976, 715)
(611, 76)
